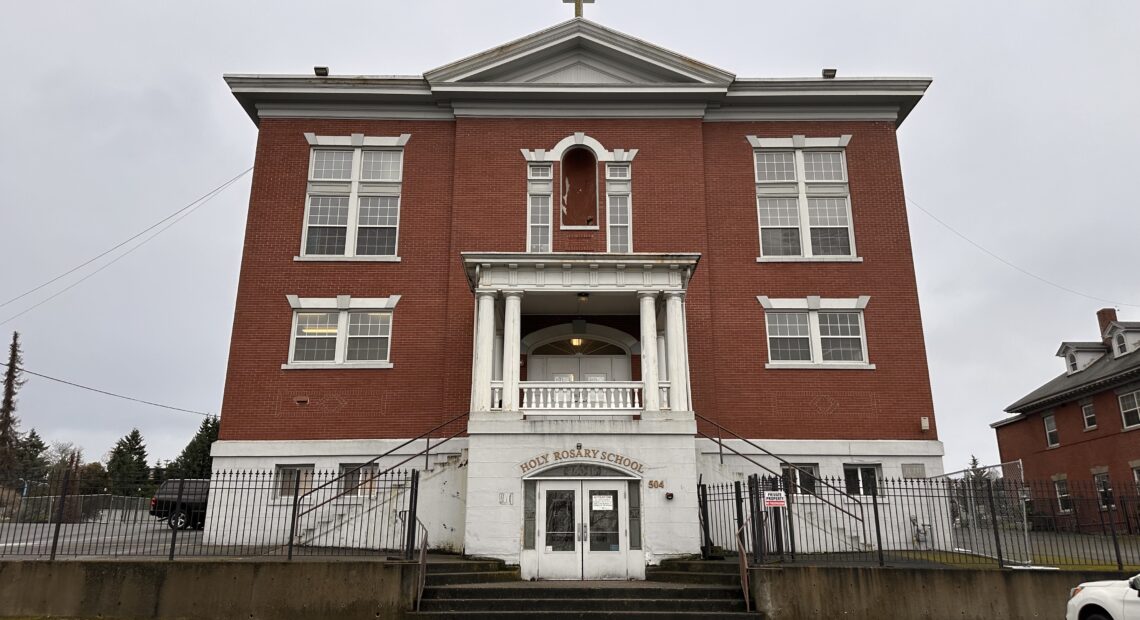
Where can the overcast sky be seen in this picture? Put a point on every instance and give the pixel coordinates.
(114, 115)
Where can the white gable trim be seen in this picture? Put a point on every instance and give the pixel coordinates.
(579, 139)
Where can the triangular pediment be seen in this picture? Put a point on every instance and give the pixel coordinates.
(579, 52)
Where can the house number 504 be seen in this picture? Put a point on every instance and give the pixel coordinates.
(657, 484)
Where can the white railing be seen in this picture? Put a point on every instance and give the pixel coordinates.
(496, 395)
(663, 388)
(581, 396)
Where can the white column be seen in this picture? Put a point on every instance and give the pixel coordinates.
(484, 350)
(675, 341)
(662, 358)
(651, 398)
(512, 320)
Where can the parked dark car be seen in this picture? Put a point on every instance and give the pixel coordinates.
(190, 512)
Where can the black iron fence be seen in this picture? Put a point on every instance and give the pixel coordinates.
(933, 522)
(286, 512)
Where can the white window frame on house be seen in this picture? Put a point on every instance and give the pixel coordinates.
(619, 186)
(1132, 410)
(540, 185)
(1052, 435)
(354, 189)
(1120, 345)
(801, 191)
(796, 475)
(1136, 479)
(876, 470)
(364, 479)
(1061, 490)
(287, 485)
(1105, 502)
(813, 306)
(343, 306)
(1088, 412)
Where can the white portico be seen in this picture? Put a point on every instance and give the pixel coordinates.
(585, 468)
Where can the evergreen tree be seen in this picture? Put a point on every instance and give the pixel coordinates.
(13, 380)
(194, 462)
(93, 479)
(31, 457)
(127, 466)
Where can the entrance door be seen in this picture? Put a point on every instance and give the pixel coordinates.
(583, 529)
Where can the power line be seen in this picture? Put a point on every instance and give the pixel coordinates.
(201, 199)
(181, 214)
(106, 393)
(1012, 265)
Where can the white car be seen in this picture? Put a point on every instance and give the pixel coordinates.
(1105, 600)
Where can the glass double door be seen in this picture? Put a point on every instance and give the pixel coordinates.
(583, 529)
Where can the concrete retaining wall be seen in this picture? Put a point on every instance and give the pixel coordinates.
(204, 590)
(825, 592)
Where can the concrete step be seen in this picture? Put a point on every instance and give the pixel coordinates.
(465, 566)
(694, 577)
(455, 578)
(582, 615)
(627, 590)
(585, 604)
(698, 566)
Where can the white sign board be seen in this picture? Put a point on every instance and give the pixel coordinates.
(602, 502)
(775, 499)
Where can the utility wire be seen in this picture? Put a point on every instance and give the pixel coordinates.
(181, 214)
(205, 197)
(104, 392)
(1012, 265)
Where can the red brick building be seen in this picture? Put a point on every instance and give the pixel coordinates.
(583, 241)
(1079, 430)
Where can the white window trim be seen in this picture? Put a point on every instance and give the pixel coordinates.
(342, 305)
(1056, 431)
(1057, 493)
(597, 191)
(797, 145)
(878, 467)
(623, 186)
(813, 305)
(358, 143)
(1085, 416)
(534, 188)
(1123, 419)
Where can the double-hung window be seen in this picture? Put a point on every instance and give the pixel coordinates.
(1130, 408)
(861, 479)
(802, 199)
(540, 185)
(352, 210)
(1088, 412)
(814, 331)
(1052, 437)
(619, 237)
(344, 331)
(1104, 490)
(1064, 501)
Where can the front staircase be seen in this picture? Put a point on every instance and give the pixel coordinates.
(489, 589)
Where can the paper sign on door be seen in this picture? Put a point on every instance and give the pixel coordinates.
(602, 502)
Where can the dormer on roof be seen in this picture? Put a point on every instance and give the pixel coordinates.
(1123, 337)
(1080, 355)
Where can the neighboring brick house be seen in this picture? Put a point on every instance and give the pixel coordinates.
(1080, 432)
(583, 241)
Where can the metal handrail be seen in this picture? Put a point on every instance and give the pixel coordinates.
(860, 517)
(423, 531)
(372, 461)
(742, 561)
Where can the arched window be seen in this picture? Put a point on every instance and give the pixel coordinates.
(1072, 363)
(1121, 345)
(579, 192)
